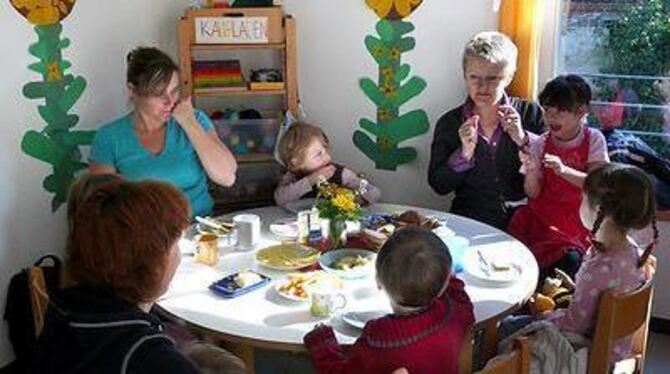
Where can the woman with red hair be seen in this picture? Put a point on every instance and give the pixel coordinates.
(122, 255)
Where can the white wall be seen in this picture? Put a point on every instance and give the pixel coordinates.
(101, 33)
(332, 58)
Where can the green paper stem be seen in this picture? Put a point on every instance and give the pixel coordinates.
(56, 145)
(388, 95)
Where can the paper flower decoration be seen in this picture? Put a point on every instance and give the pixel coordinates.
(393, 9)
(43, 12)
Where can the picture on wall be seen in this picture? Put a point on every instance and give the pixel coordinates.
(57, 144)
(380, 140)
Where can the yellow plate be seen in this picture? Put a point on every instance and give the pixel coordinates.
(287, 257)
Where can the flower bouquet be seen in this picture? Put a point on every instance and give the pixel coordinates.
(338, 204)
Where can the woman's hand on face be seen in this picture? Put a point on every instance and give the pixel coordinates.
(184, 113)
(511, 123)
(468, 135)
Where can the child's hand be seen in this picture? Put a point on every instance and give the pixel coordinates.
(326, 172)
(530, 165)
(468, 135)
(566, 281)
(511, 123)
(555, 163)
(649, 267)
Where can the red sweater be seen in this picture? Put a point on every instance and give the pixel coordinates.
(425, 342)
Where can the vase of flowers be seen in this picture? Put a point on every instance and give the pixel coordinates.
(337, 204)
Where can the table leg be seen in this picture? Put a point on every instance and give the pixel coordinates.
(243, 351)
(490, 340)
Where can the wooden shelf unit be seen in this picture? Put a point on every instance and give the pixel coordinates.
(287, 47)
(281, 40)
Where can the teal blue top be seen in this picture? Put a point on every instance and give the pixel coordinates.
(116, 144)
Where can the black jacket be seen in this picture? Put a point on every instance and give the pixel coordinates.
(87, 331)
(480, 192)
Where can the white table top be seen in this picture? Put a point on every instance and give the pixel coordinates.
(263, 316)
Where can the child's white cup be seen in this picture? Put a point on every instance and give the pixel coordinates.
(248, 227)
(326, 302)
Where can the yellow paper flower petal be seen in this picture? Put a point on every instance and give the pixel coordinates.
(381, 7)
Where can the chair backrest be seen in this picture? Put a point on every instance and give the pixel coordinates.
(620, 316)
(516, 363)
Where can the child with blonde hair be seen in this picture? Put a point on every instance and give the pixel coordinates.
(305, 152)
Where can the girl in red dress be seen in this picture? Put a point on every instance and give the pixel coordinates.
(555, 166)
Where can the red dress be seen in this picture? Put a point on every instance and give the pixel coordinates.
(426, 342)
(549, 225)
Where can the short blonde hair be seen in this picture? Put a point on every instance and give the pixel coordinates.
(493, 47)
(294, 143)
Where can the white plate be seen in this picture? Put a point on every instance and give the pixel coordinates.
(300, 205)
(285, 229)
(287, 295)
(476, 268)
(358, 319)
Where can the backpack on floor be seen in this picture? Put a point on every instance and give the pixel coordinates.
(27, 302)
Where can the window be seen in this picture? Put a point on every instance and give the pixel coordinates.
(623, 48)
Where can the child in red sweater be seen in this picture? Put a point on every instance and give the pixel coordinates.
(431, 316)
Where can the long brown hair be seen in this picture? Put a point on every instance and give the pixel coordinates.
(625, 194)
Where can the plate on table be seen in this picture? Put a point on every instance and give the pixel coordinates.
(285, 229)
(358, 319)
(300, 205)
(349, 263)
(287, 257)
(493, 265)
(296, 286)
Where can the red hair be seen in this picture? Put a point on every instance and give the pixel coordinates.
(121, 238)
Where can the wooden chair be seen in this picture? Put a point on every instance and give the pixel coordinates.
(517, 363)
(620, 316)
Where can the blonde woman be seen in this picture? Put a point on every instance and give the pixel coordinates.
(475, 150)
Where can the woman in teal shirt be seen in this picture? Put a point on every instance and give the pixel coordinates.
(163, 138)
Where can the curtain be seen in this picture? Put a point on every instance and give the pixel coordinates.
(522, 21)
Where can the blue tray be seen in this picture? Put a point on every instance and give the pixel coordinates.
(227, 288)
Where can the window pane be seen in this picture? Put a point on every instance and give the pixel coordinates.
(622, 47)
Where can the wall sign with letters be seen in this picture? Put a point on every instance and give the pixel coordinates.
(231, 30)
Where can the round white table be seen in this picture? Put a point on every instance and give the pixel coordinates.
(264, 319)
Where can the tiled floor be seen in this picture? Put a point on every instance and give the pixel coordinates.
(658, 354)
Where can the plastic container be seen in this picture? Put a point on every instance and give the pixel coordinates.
(249, 139)
(228, 288)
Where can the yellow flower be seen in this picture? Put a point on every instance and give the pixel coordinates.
(344, 202)
(53, 72)
(381, 7)
(402, 7)
(44, 12)
(405, 7)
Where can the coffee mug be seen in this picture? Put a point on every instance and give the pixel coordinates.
(325, 303)
(248, 227)
(207, 250)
